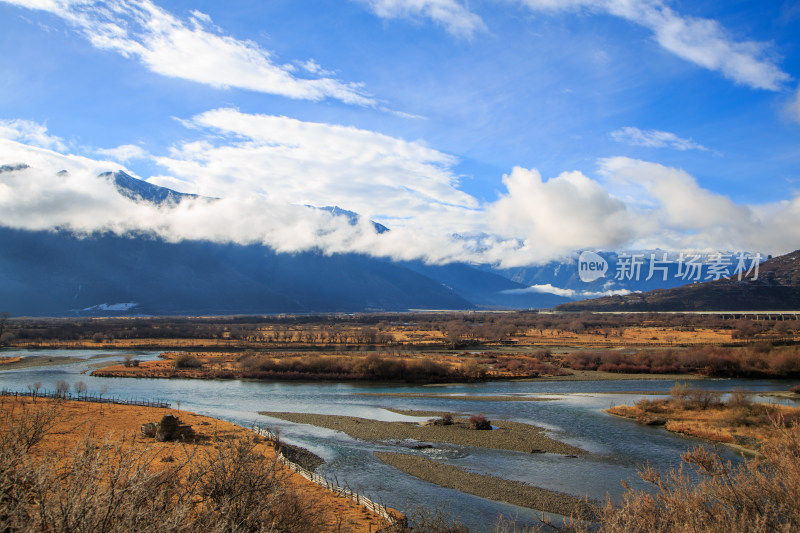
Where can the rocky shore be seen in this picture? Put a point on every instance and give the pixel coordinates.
(301, 456)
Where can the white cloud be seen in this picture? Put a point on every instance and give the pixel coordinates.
(30, 132)
(680, 202)
(166, 45)
(553, 217)
(704, 42)
(538, 220)
(686, 216)
(547, 288)
(654, 139)
(41, 198)
(124, 153)
(292, 161)
(262, 167)
(456, 18)
(314, 68)
(201, 18)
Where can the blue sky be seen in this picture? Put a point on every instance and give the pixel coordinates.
(529, 128)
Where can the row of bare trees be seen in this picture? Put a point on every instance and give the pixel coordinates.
(455, 328)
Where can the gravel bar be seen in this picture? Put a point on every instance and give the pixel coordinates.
(301, 456)
(513, 436)
(486, 486)
(463, 397)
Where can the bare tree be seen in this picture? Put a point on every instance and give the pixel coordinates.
(62, 387)
(3, 321)
(80, 387)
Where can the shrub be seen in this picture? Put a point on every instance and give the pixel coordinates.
(62, 387)
(432, 520)
(479, 422)
(80, 387)
(679, 392)
(759, 360)
(118, 487)
(445, 420)
(186, 360)
(650, 406)
(704, 399)
(170, 428)
(755, 495)
(740, 398)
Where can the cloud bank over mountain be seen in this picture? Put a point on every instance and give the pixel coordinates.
(263, 172)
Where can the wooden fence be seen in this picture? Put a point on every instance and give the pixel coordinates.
(382, 510)
(84, 398)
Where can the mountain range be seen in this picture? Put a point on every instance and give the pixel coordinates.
(56, 273)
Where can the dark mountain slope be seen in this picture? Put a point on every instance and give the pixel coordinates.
(52, 273)
(777, 288)
(485, 288)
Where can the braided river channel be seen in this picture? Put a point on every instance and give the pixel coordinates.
(573, 414)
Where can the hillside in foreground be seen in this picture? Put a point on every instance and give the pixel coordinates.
(102, 474)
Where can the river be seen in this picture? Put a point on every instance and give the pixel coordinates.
(573, 414)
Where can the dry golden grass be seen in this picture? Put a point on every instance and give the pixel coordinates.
(412, 336)
(652, 336)
(738, 421)
(759, 495)
(113, 425)
(704, 430)
(375, 365)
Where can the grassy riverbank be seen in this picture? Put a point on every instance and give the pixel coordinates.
(738, 421)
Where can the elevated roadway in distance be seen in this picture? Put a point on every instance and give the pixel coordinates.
(726, 315)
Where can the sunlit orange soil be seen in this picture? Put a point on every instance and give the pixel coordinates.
(122, 422)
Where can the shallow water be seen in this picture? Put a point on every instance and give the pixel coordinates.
(573, 414)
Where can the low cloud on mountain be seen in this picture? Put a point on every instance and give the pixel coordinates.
(265, 171)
